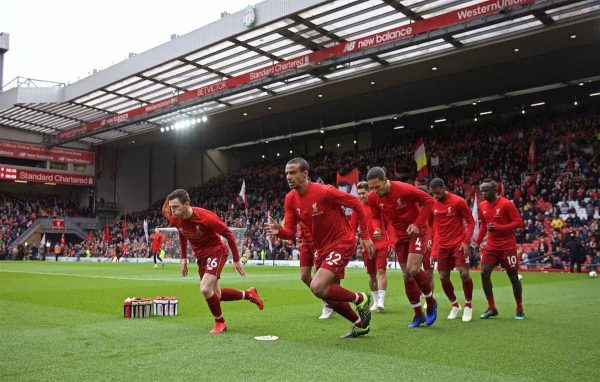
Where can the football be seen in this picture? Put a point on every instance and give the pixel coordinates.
(520, 277)
(244, 260)
(593, 274)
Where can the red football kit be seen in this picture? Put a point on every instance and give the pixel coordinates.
(450, 232)
(501, 247)
(319, 208)
(204, 230)
(399, 208)
(157, 240)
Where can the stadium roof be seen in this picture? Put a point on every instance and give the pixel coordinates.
(292, 47)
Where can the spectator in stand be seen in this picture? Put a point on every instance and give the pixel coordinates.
(576, 253)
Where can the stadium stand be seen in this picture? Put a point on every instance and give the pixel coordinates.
(560, 186)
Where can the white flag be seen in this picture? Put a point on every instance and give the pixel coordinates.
(146, 230)
(475, 214)
(243, 196)
(243, 191)
(269, 236)
(43, 241)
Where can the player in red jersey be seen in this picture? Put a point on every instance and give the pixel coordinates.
(204, 229)
(157, 240)
(376, 265)
(320, 209)
(499, 217)
(398, 204)
(453, 227)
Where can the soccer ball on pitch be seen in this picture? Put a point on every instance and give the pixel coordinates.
(593, 274)
(520, 277)
(244, 260)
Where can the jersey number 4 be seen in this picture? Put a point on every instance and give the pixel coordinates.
(333, 259)
(418, 244)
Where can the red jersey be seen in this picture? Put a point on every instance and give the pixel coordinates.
(320, 209)
(204, 230)
(400, 207)
(157, 240)
(503, 213)
(372, 224)
(449, 217)
(304, 235)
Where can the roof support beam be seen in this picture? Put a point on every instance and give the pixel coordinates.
(406, 11)
(157, 81)
(544, 18)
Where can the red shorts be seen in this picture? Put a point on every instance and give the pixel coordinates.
(212, 262)
(307, 255)
(428, 261)
(450, 258)
(377, 262)
(414, 245)
(507, 258)
(335, 260)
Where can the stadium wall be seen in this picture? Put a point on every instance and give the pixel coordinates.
(302, 146)
(145, 174)
(162, 175)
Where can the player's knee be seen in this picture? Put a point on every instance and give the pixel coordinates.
(412, 271)
(381, 273)
(464, 276)
(444, 278)
(318, 289)
(206, 290)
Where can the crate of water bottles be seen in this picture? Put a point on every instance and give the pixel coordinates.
(165, 306)
(137, 307)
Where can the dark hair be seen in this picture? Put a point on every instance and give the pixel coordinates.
(362, 186)
(489, 181)
(180, 194)
(437, 182)
(301, 162)
(376, 173)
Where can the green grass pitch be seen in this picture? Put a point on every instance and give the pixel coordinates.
(63, 321)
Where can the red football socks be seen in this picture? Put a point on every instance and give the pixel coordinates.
(468, 289)
(336, 293)
(423, 284)
(491, 302)
(229, 294)
(413, 293)
(449, 290)
(345, 310)
(520, 306)
(214, 304)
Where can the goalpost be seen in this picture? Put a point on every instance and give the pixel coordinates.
(172, 246)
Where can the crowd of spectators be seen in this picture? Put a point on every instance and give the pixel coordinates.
(548, 166)
(19, 211)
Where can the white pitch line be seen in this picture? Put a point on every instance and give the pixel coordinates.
(168, 279)
(93, 276)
